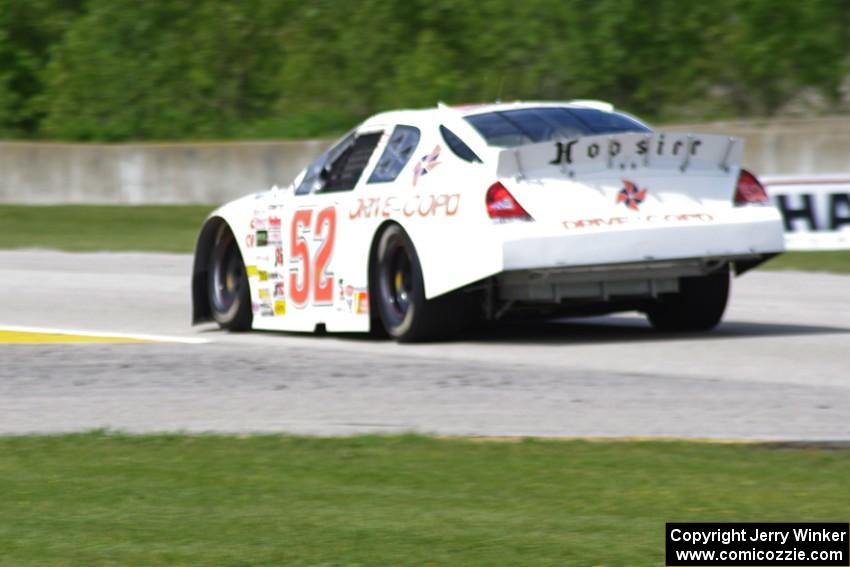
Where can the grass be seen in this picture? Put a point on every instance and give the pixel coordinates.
(835, 261)
(101, 499)
(174, 228)
(83, 228)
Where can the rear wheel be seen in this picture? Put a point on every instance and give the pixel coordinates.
(404, 312)
(229, 294)
(698, 306)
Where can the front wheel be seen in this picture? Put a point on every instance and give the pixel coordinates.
(698, 306)
(404, 312)
(227, 286)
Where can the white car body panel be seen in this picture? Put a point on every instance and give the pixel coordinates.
(685, 212)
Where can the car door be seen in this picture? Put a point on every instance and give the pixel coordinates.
(322, 249)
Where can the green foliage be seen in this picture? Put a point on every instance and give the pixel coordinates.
(159, 69)
(28, 28)
(163, 70)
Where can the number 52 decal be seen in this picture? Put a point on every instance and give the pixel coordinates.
(312, 274)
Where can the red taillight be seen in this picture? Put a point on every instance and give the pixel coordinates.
(749, 189)
(502, 205)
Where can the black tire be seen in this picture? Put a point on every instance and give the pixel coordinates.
(228, 291)
(698, 306)
(399, 293)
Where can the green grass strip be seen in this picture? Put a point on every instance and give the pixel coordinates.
(835, 261)
(100, 499)
(91, 228)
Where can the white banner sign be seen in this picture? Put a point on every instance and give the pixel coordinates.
(815, 209)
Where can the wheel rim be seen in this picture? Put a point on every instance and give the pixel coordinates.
(227, 278)
(397, 280)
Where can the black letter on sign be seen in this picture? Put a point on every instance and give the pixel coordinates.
(564, 152)
(836, 199)
(806, 212)
(694, 145)
(592, 150)
(643, 147)
(614, 148)
(676, 146)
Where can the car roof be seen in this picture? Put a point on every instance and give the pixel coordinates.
(470, 109)
(464, 110)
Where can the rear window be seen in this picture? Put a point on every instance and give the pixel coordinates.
(510, 128)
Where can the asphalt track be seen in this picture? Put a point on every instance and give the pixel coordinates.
(778, 368)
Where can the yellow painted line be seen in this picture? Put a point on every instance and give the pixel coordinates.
(14, 334)
(32, 338)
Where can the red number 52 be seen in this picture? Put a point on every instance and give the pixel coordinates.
(315, 276)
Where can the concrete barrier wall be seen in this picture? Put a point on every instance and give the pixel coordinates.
(787, 147)
(45, 173)
(36, 173)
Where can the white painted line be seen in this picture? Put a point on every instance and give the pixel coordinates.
(100, 334)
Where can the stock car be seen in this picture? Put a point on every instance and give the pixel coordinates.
(419, 221)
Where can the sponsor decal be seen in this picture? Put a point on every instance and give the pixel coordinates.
(353, 299)
(361, 303)
(274, 234)
(565, 151)
(426, 164)
(257, 223)
(262, 238)
(251, 271)
(425, 206)
(264, 276)
(280, 307)
(266, 309)
(255, 306)
(279, 290)
(631, 195)
(278, 256)
(674, 218)
(264, 293)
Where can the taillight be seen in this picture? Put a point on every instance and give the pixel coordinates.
(749, 189)
(502, 205)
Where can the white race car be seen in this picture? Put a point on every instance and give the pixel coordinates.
(419, 221)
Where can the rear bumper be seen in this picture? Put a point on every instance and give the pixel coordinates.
(744, 232)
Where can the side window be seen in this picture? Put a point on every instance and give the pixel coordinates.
(316, 174)
(458, 146)
(400, 147)
(344, 172)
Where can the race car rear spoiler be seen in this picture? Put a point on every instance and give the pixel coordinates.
(657, 150)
